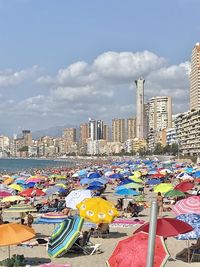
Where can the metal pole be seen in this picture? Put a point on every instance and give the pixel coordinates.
(152, 234)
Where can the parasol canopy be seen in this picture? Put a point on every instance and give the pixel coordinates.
(132, 252)
(194, 220)
(187, 205)
(163, 188)
(75, 197)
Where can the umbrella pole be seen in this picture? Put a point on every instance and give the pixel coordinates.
(9, 252)
(152, 234)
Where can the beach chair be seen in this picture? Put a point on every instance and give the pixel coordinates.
(86, 246)
(195, 255)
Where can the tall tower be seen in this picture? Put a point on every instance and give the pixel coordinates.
(195, 78)
(27, 136)
(140, 108)
(92, 129)
(99, 130)
(131, 127)
(84, 133)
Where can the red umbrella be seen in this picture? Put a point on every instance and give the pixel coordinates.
(157, 175)
(32, 192)
(132, 252)
(5, 194)
(187, 205)
(184, 186)
(167, 227)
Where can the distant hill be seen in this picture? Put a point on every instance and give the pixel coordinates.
(54, 131)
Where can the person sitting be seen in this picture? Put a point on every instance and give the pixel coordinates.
(102, 230)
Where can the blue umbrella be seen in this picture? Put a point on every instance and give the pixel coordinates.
(153, 182)
(101, 180)
(116, 176)
(94, 175)
(95, 183)
(94, 187)
(52, 190)
(85, 181)
(194, 220)
(82, 172)
(126, 181)
(127, 192)
(196, 174)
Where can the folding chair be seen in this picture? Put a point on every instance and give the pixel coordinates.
(195, 255)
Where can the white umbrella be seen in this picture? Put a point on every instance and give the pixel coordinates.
(75, 197)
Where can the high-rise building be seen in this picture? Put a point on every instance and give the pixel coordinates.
(99, 130)
(131, 128)
(118, 130)
(140, 107)
(92, 129)
(84, 133)
(160, 113)
(106, 133)
(27, 136)
(195, 78)
(69, 134)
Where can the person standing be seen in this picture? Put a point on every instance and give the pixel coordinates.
(160, 204)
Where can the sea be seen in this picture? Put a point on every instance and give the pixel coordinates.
(16, 165)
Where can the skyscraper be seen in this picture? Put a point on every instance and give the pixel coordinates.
(131, 128)
(160, 113)
(99, 130)
(27, 137)
(118, 130)
(84, 133)
(92, 129)
(140, 107)
(195, 78)
(106, 132)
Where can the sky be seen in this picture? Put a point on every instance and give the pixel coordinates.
(63, 61)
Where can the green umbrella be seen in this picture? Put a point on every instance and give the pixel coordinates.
(20, 208)
(174, 193)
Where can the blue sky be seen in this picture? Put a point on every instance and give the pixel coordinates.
(88, 49)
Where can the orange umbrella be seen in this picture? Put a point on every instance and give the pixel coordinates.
(8, 181)
(13, 233)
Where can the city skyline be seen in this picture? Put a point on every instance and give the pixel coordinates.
(61, 69)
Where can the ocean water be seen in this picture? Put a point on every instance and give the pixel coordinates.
(14, 165)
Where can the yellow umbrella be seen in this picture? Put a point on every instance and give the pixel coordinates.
(137, 174)
(97, 210)
(62, 185)
(16, 187)
(12, 199)
(136, 179)
(163, 187)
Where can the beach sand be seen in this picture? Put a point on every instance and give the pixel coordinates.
(38, 255)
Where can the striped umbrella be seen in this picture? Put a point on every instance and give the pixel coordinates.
(187, 205)
(20, 208)
(52, 218)
(64, 236)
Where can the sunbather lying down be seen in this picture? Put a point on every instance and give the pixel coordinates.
(37, 242)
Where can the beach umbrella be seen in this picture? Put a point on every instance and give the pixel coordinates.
(5, 188)
(196, 174)
(174, 193)
(127, 192)
(96, 183)
(16, 187)
(184, 176)
(64, 236)
(116, 176)
(75, 197)
(8, 181)
(20, 181)
(62, 185)
(32, 192)
(194, 220)
(167, 227)
(13, 233)
(20, 208)
(52, 190)
(12, 199)
(128, 186)
(187, 205)
(33, 180)
(163, 187)
(92, 175)
(125, 181)
(97, 210)
(132, 252)
(4, 194)
(184, 186)
(102, 180)
(84, 181)
(136, 179)
(153, 182)
(52, 218)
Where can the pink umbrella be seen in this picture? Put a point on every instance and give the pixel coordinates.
(5, 194)
(34, 180)
(187, 205)
(55, 265)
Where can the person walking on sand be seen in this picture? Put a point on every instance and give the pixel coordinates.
(160, 204)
